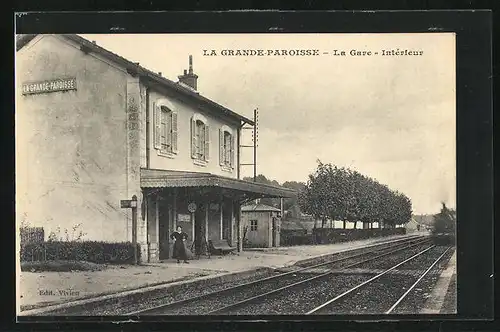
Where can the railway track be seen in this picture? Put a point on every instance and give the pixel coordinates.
(228, 299)
(368, 293)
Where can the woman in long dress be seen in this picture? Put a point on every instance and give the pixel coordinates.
(179, 246)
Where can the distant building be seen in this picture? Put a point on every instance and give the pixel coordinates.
(261, 224)
(413, 226)
(424, 219)
(93, 128)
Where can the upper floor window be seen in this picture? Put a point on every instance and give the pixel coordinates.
(200, 138)
(165, 127)
(226, 147)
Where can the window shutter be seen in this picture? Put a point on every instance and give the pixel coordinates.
(168, 128)
(231, 156)
(207, 142)
(174, 132)
(193, 138)
(157, 126)
(221, 147)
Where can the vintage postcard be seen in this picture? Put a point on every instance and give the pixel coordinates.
(235, 174)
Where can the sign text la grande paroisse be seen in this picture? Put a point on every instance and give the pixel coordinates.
(61, 84)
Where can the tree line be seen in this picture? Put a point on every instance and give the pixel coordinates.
(339, 193)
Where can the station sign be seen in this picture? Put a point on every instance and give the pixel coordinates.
(184, 217)
(128, 203)
(61, 84)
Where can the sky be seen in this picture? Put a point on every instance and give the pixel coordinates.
(390, 117)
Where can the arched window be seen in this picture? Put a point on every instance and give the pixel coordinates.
(165, 127)
(226, 148)
(200, 138)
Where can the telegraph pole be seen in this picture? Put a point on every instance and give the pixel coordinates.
(255, 138)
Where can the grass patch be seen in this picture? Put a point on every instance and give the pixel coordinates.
(60, 266)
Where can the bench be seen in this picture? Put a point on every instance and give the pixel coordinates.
(221, 246)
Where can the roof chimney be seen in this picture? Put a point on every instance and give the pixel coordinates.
(189, 78)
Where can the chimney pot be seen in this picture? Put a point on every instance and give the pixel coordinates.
(189, 78)
(93, 42)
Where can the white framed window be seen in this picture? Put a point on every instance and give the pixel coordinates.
(253, 225)
(226, 148)
(200, 139)
(165, 128)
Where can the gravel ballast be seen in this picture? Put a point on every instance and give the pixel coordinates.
(301, 299)
(378, 296)
(163, 306)
(415, 300)
(217, 301)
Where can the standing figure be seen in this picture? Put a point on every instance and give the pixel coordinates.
(179, 246)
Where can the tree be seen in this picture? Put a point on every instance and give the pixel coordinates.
(298, 187)
(288, 203)
(266, 200)
(327, 195)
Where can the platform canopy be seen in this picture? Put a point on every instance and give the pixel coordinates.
(151, 178)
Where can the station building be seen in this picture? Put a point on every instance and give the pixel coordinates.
(93, 128)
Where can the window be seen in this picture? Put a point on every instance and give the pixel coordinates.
(200, 139)
(253, 225)
(226, 146)
(165, 127)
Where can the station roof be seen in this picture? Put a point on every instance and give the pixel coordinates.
(148, 75)
(152, 178)
(259, 208)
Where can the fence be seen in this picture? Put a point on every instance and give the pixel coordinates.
(32, 235)
(334, 235)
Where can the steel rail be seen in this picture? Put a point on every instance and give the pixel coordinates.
(368, 281)
(416, 282)
(385, 246)
(253, 298)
